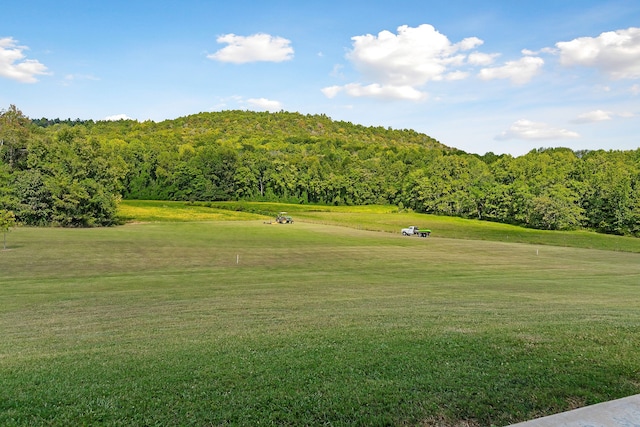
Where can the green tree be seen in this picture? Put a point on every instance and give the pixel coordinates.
(75, 177)
(556, 209)
(7, 220)
(218, 167)
(14, 135)
(453, 185)
(6, 189)
(611, 196)
(538, 190)
(33, 203)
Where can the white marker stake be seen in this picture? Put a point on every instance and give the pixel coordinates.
(237, 259)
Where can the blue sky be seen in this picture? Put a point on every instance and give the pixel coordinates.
(503, 76)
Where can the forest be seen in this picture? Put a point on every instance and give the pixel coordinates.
(73, 173)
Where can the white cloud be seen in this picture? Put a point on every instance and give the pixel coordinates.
(469, 43)
(594, 116)
(13, 64)
(526, 129)
(601, 115)
(331, 91)
(265, 104)
(398, 65)
(254, 48)
(635, 89)
(117, 117)
(528, 52)
(482, 59)
(519, 72)
(616, 53)
(412, 57)
(376, 90)
(456, 75)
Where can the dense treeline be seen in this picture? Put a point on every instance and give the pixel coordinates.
(72, 172)
(60, 177)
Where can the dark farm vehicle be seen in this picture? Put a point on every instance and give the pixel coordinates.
(283, 218)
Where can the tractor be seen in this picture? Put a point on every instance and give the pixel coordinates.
(283, 218)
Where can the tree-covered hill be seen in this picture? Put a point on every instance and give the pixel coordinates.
(73, 172)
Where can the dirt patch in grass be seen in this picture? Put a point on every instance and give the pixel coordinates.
(575, 402)
(446, 422)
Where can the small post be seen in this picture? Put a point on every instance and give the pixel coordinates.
(237, 259)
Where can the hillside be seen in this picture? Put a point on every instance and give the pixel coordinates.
(248, 126)
(73, 172)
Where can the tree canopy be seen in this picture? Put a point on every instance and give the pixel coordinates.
(72, 173)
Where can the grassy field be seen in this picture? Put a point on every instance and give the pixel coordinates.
(389, 219)
(229, 321)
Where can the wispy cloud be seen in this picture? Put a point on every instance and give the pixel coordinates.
(254, 48)
(337, 71)
(376, 90)
(601, 116)
(69, 79)
(594, 116)
(529, 130)
(483, 59)
(519, 72)
(15, 66)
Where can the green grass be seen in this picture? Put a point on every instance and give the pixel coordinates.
(242, 323)
(167, 211)
(388, 219)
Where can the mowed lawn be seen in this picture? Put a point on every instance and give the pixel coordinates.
(243, 323)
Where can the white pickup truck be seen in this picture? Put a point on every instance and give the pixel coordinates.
(416, 231)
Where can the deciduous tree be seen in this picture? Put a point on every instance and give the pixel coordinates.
(7, 220)
(14, 135)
